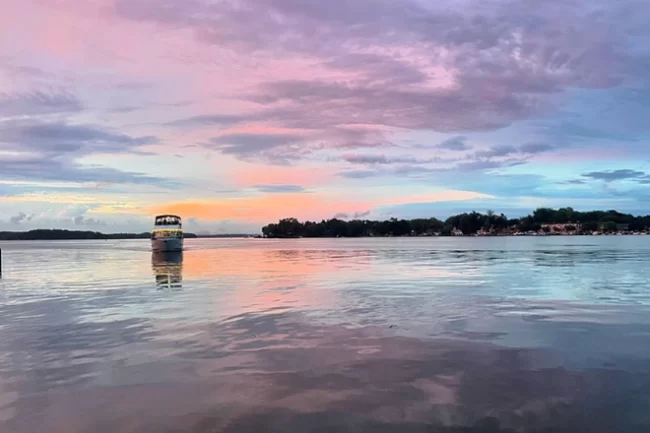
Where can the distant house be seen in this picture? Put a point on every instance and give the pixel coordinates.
(564, 227)
(457, 232)
(622, 227)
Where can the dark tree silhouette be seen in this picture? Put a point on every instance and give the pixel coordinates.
(469, 223)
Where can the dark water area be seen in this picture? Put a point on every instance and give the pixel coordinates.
(445, 335)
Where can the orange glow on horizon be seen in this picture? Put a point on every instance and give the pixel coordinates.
(259, 209)
(299, 205)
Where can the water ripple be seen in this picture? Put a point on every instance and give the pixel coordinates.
(441, 335)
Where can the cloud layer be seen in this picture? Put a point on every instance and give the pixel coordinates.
(281, 105)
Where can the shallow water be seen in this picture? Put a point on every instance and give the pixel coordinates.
(546, 334)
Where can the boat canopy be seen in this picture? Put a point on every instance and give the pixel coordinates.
(168, 220)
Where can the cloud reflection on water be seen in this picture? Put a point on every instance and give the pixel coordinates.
(327, 335)
(276, 372)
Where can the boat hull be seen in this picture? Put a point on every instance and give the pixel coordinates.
(167, 244)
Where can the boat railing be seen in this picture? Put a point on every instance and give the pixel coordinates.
(166, 234)
(167, 221)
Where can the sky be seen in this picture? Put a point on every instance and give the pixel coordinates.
(236, 113)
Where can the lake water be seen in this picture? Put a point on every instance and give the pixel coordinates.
(546, 334)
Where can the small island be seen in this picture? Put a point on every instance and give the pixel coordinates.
(543, 221)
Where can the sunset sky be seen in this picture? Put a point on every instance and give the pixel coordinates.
(235, 113)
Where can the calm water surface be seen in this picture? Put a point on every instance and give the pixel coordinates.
(376, 335)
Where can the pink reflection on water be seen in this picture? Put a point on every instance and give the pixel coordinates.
(255, 371)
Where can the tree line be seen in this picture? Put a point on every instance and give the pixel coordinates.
(467, 223)
(57, 234)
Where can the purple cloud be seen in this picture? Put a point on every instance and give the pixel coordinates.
(81, 220)
(497, 151)
(282, 148)
(535, 148)
(502, 150)
(614, 175)
(506, 62)
(21, 218)
(45, 168)
(38, 103)
(19, 70)
(352, 85)
(366, 159)
(378, 70)
(47, 151)
(455, 143)
(211, 119)
(380, 159)
(481, 165)
(423, 171)
(278, 148)
(446, 110)
(61, 138)
(355, 215)
(506, 56)
(360, 174)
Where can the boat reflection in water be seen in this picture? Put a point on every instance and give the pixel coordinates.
(168, 269)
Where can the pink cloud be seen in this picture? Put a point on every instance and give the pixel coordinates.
(250, 174)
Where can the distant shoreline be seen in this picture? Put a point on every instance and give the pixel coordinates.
(542, 222)
(127, 236)
(77, 235)
(504, 235)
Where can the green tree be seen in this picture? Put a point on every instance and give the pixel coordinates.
(544, 215)
(590, 226)
(609, 226)
(468, 223)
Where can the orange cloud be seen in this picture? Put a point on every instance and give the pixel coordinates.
(303, 206)
(261, 208)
